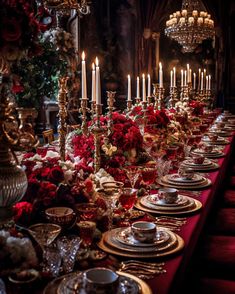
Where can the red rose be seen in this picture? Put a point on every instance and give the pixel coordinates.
(56, 175)
(22, 211)
(11, 30)
(88, 185)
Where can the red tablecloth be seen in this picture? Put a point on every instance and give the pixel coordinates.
(175, 266)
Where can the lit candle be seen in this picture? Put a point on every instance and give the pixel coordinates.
(199, 79)
(97, 82)
(206, 83)
(174, 77)
(84, 88)
(187, 72)
(171, 78)
(144, 88)
(93, 97)
(129, 88)
(209, 84)
(149, 86)
(190, 76)
(194, 81)
(202, 81)
(182, 78)
(185, 77)
(138, 87)
(160, 75)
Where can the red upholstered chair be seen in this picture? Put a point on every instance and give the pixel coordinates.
(215, 286)
(229, 197)
(225, 222)
(218, 257)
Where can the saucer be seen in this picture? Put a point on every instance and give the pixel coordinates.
(154, 199)
(74, 284)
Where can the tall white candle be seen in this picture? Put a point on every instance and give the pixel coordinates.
(182, 78)
(149, 86)
(202, 81)
(144, 88)
(194, 81)
(190, 76)
(97, 82)
(160, 75)
(206, 83)
(185, 78)
(138, 87)
(174, 77)
(129, 88)
(93, 97)
(209, 86)
(199, 79)
(84, 88)
(171, 84)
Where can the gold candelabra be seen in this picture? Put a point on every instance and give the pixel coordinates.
(155, 95)
(129, 106)
(62, 102)
(184, 94)
(93, 108)
(160, 98)
(137, 101)
(149, 99)
(111, 108)
(97, 131)
(83, 110)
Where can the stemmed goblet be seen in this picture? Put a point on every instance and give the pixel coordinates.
(133, 174)
(149, 174)
(127, 200)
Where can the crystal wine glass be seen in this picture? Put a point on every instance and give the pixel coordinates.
(133, 174)
(127, 200)
(149, 174)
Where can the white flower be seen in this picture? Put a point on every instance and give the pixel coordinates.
(38, 165)
(68, 175)
(51, 154)
(36, 157)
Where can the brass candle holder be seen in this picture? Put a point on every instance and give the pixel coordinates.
(129, 106)
(83, 110)
(97, 131)
(149, 99)
(111, 108)
(184, 94)
(173, 97)
(155, 95)
(160, 98)
(62, 103)
(137, 101)
(93, 108)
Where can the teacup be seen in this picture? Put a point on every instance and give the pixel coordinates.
(187, 173)
(100, 280)
(208, 148)
(213, 137)
(169, 195)
(198, 159)
(144, 231)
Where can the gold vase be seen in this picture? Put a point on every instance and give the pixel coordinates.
(13, 184)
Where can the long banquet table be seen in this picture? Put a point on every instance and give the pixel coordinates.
(171, 281)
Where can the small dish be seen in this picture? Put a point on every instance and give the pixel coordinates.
(60, 215)
(24, 277)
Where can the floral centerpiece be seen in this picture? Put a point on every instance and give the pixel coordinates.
(18, 29)
(37, 77)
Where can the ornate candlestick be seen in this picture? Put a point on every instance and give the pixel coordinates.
(173, 97)
(93, 104)
(62, 102)
(137, 101)
(129, 106)
(149, 99)
(160, 98)
(97, 130)
(155, 95)
(110, 102)
(83, 110)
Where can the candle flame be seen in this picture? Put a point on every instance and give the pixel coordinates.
(174, 69)
(187, 66)
(194, 74)
(148, 76)
(96, 61)
(143, 76)
(160, 65)
(83, 55)
(93, 66)
(128, 76)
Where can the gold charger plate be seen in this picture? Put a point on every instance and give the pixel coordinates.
(53, 286)
(201, 167)
(205, 184)
(175, 179)
(197, 206)
(213, 154)
(146, 203)
(144, 287)
(109, 239)
(112, 250)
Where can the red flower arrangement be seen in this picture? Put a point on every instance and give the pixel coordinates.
(18, 28)
(197, 107)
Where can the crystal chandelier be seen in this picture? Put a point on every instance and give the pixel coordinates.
(190, 26)
(81, 6)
